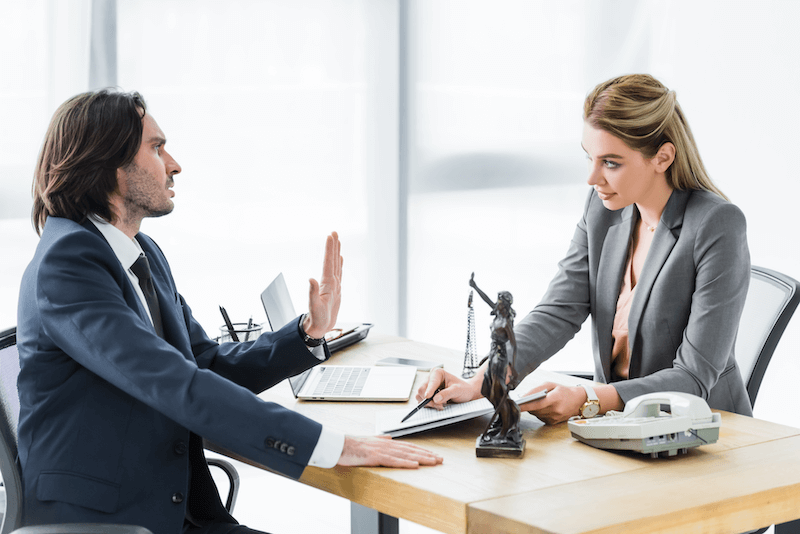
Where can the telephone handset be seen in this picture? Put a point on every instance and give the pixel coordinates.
(680, 405)
(669, 422)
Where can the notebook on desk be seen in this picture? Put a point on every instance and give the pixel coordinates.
(337, 382)
(391, 422)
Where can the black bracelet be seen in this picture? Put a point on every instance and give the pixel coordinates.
(308, 340)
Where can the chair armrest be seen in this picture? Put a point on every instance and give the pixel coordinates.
(82, 528)
(233, 478)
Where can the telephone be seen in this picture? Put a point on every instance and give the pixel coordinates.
(668, 422)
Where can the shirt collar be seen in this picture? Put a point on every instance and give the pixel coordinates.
(126, 250)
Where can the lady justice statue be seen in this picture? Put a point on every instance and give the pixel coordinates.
(502, 438)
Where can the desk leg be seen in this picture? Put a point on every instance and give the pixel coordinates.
(365, 520)
(792, 527)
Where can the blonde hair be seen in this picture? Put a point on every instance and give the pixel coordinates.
(644, 114)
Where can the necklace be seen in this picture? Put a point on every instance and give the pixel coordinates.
(651, 228)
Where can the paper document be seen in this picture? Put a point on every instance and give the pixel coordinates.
(389, 422)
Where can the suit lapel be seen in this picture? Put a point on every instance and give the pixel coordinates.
(130, 295)
(664, 240)
(175, 332)
(610, 270)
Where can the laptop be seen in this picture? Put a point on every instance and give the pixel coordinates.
(337, 382)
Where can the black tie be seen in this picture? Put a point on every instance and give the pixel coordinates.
(141, 268)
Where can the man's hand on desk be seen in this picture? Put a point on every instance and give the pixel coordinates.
(455, 389)
(385, 452)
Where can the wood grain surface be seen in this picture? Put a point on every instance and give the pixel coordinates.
(561, 485)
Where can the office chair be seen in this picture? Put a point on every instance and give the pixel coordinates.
(10, 469)
(771, 300)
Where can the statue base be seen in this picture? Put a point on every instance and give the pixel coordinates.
(499, 448)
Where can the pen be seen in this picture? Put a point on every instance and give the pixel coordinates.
(249, 326)
(228, 323)
(421, 405)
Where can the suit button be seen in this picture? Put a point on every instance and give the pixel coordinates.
(177, 498)
(180, 448)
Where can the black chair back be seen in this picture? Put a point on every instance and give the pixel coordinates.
(9, 400)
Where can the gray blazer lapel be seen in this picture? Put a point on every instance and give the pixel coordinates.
(663, 241)
(610, 271)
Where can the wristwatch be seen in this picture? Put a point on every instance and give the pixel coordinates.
(308, 340)
(591, 407)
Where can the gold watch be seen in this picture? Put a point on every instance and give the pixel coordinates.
(591, 407)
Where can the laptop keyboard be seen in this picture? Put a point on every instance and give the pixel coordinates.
(341, 381)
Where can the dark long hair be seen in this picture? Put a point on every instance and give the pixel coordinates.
(90, 136)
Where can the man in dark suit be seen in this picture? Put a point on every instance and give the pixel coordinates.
(118, 383)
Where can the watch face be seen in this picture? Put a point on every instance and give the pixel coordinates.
(590, 409)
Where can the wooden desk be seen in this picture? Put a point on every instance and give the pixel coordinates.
(750, 478)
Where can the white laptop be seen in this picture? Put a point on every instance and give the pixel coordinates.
(337, 382)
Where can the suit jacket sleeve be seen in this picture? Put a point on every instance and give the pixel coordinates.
(254, 365)
(562, 310)
(86, 315)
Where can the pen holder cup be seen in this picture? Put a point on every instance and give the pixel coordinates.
(242, 331)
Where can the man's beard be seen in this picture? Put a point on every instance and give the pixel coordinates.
(144, 197)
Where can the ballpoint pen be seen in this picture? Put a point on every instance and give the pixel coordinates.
(249, 326)
(421, 405)
(228, 324)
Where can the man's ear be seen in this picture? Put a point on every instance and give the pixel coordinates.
(664, 157)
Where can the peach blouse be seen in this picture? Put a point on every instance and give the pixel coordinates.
(621, 351)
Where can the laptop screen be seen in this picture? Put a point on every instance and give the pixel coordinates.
(277, 303)
(296, 382)
(280, 310)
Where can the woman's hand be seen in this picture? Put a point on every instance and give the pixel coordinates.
(563, 402)
(560, 403)
(453, 388)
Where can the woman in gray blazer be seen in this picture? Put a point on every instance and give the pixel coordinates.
(659, 260)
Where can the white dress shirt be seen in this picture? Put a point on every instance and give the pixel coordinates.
(330, 444)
